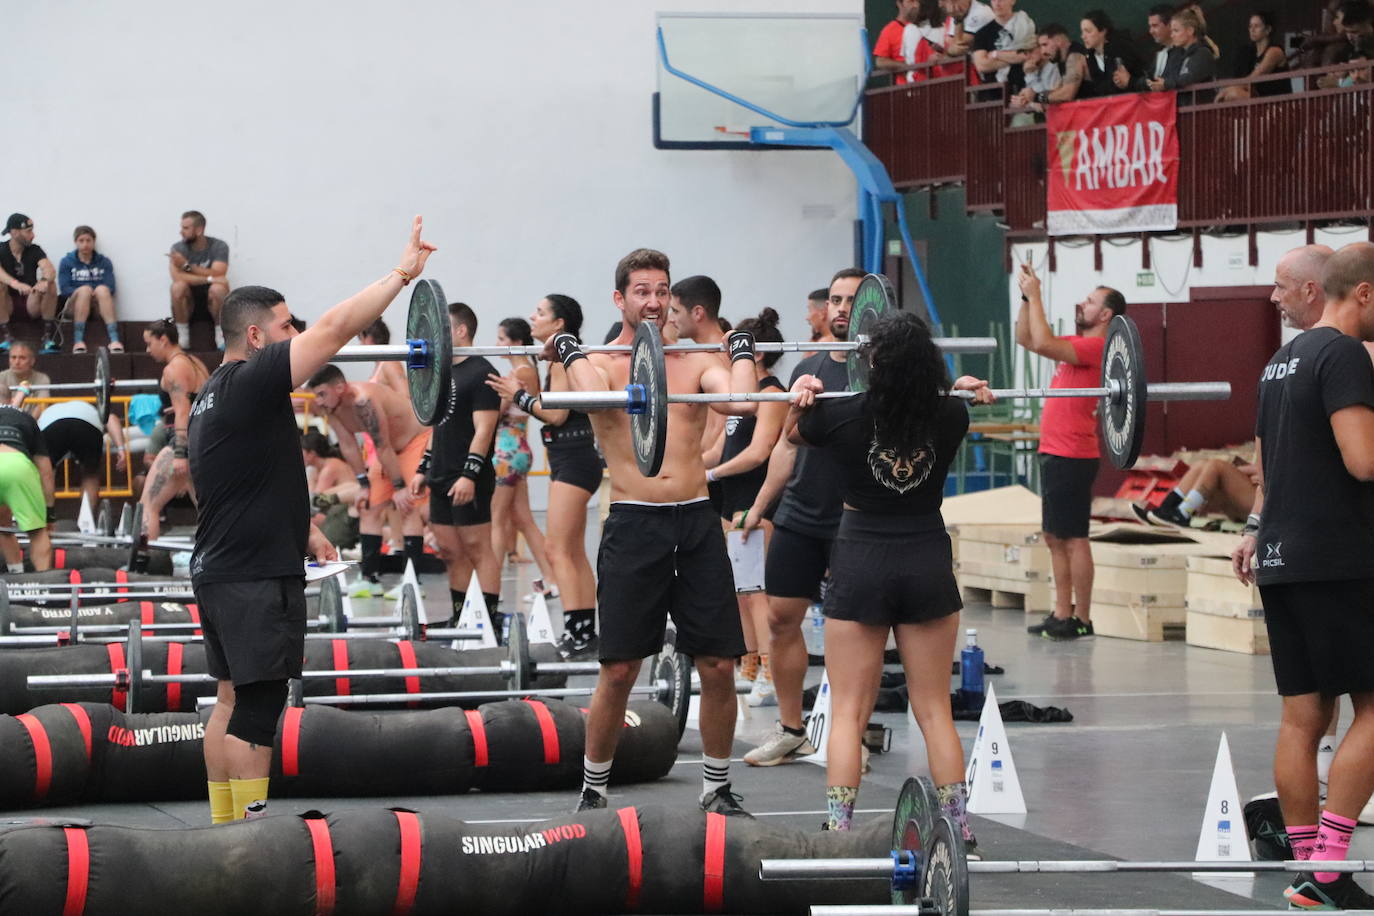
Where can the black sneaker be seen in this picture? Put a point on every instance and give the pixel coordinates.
(1066, 628)
(1168, 517)
(723, 801)
(591, 800)
(1342, 894)
(1038, 629)
(1142, 513)
(577, 650)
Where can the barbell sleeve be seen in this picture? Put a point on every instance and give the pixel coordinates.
(804, 869)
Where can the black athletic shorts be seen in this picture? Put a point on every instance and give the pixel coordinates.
(796, 564)
(1066, 495)
(579, 466)
(255, 630)
(661, 561)
(1321, 636)
(891, 569)
(442, 511)
(75, 437)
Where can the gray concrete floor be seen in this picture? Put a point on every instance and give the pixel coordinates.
(1128, 778)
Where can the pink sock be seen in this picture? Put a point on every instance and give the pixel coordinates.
(1302, 840)
(1333, 842)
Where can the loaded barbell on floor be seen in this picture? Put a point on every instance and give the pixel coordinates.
(929, 868)
(1123, 394)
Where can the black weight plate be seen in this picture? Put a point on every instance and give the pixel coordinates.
(133, 657)
(649, 430)
(410, 612)
(105, 521)
(331, 605)
(126, 520)
(136, 538)
(1122, 417)
(518, 652)
(6, 622)
(676, 670)
(428, 320)
(913, 821)
(874, 299)
(102, 383)
(944, 879)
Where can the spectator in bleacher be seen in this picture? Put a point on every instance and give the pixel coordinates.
(23, 380)
(1038, 76)
(1066, 56)
(963, 19)
(1195, 62)
(815, 314)
(894, 54)
(200, 272)
(929, 24)
(1110, 63)
(1257, 57)
(85, 276)
(1328, 45)
(32, 281)
(1158, 27)
(1355, 19)
(1195, 7)
(1000, 46)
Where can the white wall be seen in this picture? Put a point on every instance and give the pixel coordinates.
(310, 132)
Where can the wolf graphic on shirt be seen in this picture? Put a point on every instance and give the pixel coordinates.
(900, 472)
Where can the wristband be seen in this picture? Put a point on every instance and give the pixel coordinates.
(740, 345)
(1042, 97)
(405, 275)
(710, 475)
(363, 481)
(423, 468)
(1252, 524)
(568, 348)
(52, 514)
(180, 451)
(524, 400)
(473, 465)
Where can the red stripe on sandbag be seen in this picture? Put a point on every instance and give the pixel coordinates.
(548, 729)
(174, 651)
(194, 611)
(479, 737)
(147, 614)
(291, 741)
(83, 724)
(408, 660)
(122, 577)
(42, 755)
(118, 695)
(408, 884)
(78, 871)
(713, 890)
(74, 577)
(634, 856)
(340, 664)
(324, 866)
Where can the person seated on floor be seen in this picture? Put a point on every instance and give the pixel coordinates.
(1216, 485)
(333, 490)
(85, 276)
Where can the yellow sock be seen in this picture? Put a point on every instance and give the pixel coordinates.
(248, 792)
(221, 802)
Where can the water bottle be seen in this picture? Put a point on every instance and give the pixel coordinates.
(813, 631)
(971, 671)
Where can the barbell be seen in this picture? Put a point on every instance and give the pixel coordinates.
(929, 868)
(1123, 394)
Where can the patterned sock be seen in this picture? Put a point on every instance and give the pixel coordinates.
(372, 555)
(250, 797)
(415, 550)
(221, 802)
(1302, 840)
(596, 776)
(113, 331)
(493, 612)
(79, 330)
(953, 798)
(581, 623)
(839, 802)
(715, 772)
(1192, 502)
(1333, 842)
(1326, 752)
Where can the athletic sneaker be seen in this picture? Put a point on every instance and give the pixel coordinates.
(1142, 513)
(763, 693)
(49, 346)
(723, 801)
(1038, 629)
(591, 800)
(1307, 893)
(255, 810)
(577, 650)
(5, 344)
(781, 747)
(365, 588)
(1171, 517)
(1066, 628)
(395, 593)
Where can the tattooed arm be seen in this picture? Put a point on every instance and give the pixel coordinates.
(177, 381)
(372, 419)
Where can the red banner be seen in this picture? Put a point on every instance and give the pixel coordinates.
(1113, 165)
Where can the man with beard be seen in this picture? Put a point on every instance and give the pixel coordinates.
(662, 547)
(1068, 446)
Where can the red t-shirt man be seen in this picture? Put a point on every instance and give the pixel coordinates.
(1068, 426)
(890, 47)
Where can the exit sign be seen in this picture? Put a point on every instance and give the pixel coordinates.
(1145, 278)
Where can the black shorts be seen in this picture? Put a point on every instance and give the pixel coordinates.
(1066, 495)
(657, 562)
(77, 438)
(1321, 636)
(796, 564)
(891, 569)
(579, 466)
(442, 511)
(254, 631)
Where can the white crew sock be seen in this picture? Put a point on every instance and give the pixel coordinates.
(184, 335)
(596, 776)
(1192, 502)
(715, 772)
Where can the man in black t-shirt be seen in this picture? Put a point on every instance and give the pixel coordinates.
(254, 528)
(457, 468)
(1315, 537)
(32, 281)
(26, 484)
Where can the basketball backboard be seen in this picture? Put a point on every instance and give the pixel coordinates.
(807, 69)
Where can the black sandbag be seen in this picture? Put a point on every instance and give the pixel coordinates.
(47, 757)
(16, 665)
(158, 754)
(385, 861)
(110, 612)
(159, 561)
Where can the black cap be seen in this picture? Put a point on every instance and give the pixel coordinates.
(17, 221)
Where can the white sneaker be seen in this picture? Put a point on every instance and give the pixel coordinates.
(762, 693)
(781, 747)
(365, 589)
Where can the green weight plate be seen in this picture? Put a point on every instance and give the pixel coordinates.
(1122, 416)
(649, 430)
(518, 653)
(874, 299)
(102, 383)
(428, 320)
(944, 879)
(913, 821)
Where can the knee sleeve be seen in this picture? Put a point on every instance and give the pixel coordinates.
(256, 710)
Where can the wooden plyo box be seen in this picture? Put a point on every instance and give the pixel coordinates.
(1223, 613)
(1141, 580)
(1009, 562)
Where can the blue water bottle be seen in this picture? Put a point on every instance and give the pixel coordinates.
(971, 671)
